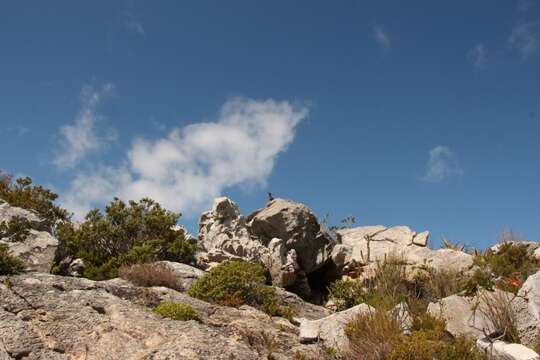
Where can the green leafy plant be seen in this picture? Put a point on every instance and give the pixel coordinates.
(177, 311)
(133, 233)
(9, 264)
(234, 283)
(346, 293)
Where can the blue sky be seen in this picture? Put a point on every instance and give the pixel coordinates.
(426, 115)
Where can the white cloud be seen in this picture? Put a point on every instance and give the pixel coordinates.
(478, 55)
(185, 170)
(381, 37)
(81, 138)
(525, 38)
(442, 164)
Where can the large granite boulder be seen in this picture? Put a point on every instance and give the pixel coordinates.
(45, 316)
(298, 227)
(368, 244)
(285, 237)
(331, 329)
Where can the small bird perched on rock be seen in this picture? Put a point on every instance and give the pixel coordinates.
(270, 197)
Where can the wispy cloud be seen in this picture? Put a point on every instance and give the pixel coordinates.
(191, 165)
(132, 23)
(382, 38)
(18, 130)
(81, 137)
(442, 164)
(478, 55)
(525, 38)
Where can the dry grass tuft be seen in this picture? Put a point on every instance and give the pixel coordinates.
(497, 308)
(151, 274)
(373, 334)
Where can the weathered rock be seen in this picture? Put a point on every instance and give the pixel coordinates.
(331, 329)
(186, 275)
(225, 235)
(283, 264)
(45, 316)
(528, 320)
(7, 212)
(500, 350)
(76, 268)
(402, 314)
(459, 316)
(37, 250)
(298, 227)
(469, 315)
(421, 239)
(368, 244)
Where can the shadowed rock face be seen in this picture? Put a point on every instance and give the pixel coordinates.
(52, 317)
(298, 227)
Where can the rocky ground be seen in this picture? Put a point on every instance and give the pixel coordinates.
(45, 316)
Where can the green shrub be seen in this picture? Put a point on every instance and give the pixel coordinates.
(512, 259)
(22, 193)
(177, 311)
(126, 234)
(235, 283)
(346, 293)
(506, 269)
(480, 279)
(429, 345)
(9, 265)
(378, 336)
(16, 229)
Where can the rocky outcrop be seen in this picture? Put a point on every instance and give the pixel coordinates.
(500, 350)
(8, 212)
(367, 244)
(45, 316)
(38, 248)
(298, 227)
(285, 237)
(331, 329)
(460, 318)
(528, 319)
(186, 275)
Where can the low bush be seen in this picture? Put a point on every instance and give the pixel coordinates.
(507, 268)
(9, 264)
(235, 283)
(372, 335)
(177, 311)
(428, 345)
(16, 229)
(150, 274)
(133, 233)
(346, 293)
(22, 193)
(379, 336)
